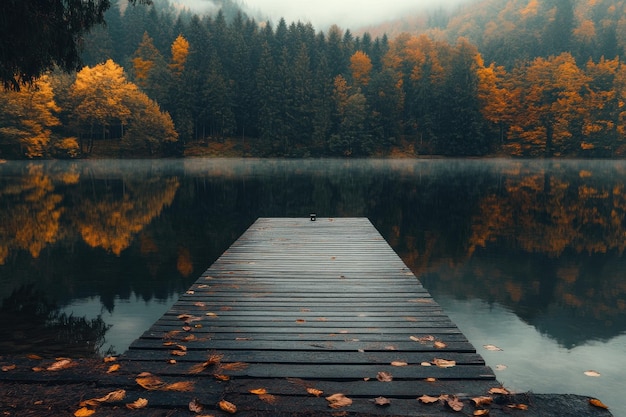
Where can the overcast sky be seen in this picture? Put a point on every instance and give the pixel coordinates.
(351, 14)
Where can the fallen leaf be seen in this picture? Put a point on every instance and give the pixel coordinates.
(8, 368)
(493, 348)
(440, 345)
(426, 364)
(187, 328)
(314, 391)
(150, 382)
(300, 321)
(258, 391)
(140, 403)
(113, 368)
(338, 400)
(178, 352)
(233, 366)
(195, 406)
(227, 406)
(212, 315)
(444, 363)
(501, 367)
(179, 386)
(427, 399)
(430, 379)
(199, 304)
(60, 364)
(38, 369)
(382, 401)
(390, 347)
(399, 363)
(172, 361)
(594, 374)
(268, 398)
(108, 359)
(34, 357)
(221, 377)
(597, 403)
(518, 406)
(111, 397)
(189, 338)
(481, 412)
(384, 376)
(480, 401)
(84, 412)
(455, 404)
(502, 391)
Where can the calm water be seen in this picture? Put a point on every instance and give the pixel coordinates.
(524, 255)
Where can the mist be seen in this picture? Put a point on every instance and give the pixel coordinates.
(322, 14)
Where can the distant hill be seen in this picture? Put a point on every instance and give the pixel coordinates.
(513, 30)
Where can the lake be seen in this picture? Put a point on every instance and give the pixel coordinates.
(524, 255)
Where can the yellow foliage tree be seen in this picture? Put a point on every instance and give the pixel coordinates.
(180, 51)
(361, 67)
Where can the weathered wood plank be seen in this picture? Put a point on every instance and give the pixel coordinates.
(325, 304)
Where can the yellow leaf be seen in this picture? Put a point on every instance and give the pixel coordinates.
(227, 406)
(258, 391)
(382, 401)
(113, 368)
(140, 403)
(444, 363)
(502, 391)
(195, 406)
(221, 377)
(455, 404)
(427, 399)
(7, 368)
(84, 412)
(60, 364)
(440, 345)
(384, 377)
(481, 412)
(314, 391)
(338, 400)
(150, 382)
(179, 386)
(431, 379)
(518, 406)
(234, 366)
(398, 363)
(112, 396)
(597, 403)
(109, 359)
(178, 352)
(480, 401)
(34, 357)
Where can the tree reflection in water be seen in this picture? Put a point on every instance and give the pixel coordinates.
(32, 324)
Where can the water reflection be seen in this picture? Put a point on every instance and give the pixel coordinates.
(543, 238)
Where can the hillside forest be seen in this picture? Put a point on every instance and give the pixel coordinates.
(532, 78)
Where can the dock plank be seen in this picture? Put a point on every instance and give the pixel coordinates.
(325, 304)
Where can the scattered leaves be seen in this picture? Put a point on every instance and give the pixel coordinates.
(502, 391)
(268, 398)
(444, 363)
(597, 403)
(314, 391)
(140, 403)
(258, 391)
(382, 401)
(338, 400)
(195, 406)
(482, 401)
(384, 376)
(112, 396)
(594, 374)
(399, 363)
(454, 403)
(427, 399)
(492, 348)
(113, 368)
(227, 406)
(84, 412)
(60, 364)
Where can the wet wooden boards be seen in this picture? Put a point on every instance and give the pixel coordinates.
(324, 305)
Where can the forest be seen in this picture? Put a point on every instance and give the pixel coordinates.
(529, 78)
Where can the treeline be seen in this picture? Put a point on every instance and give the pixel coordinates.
(305, 93)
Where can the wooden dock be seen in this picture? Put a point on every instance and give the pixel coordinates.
(295, 306)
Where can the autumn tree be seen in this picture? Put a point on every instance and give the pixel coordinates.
(149, 69)
(361, 67)
(27, 118)
(548, 104)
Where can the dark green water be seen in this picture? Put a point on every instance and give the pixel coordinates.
(524, 255)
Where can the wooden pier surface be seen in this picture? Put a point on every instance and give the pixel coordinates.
(293, 312)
